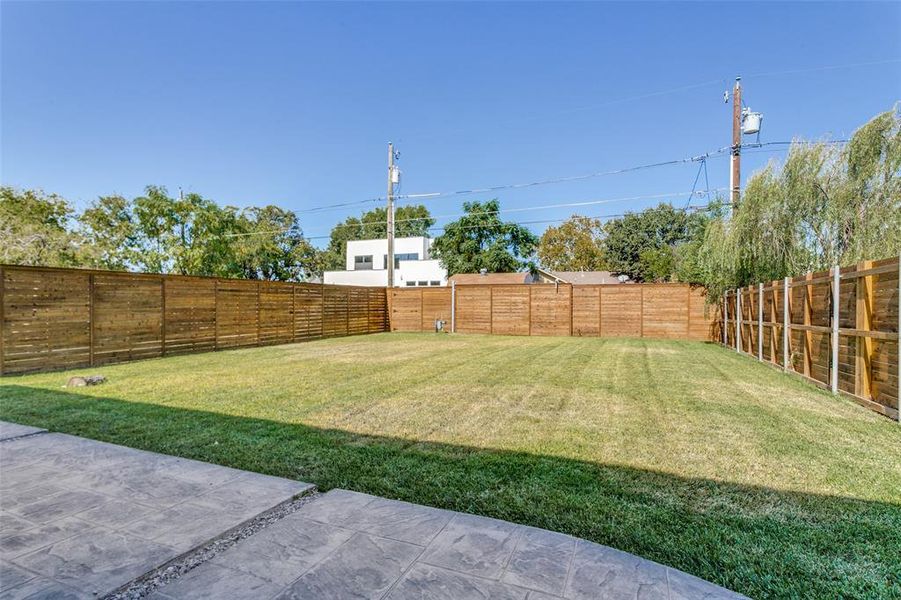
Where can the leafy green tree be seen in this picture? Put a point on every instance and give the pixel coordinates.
(643, 245)
(109, 229)
(154, 213)
(410, 220)
(269, 244)
(574, 245)
(34, 229)
(657, 264)
(824, 205)
(481, 240)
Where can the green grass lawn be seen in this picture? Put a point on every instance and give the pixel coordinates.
(681, 452)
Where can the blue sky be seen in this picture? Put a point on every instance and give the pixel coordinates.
(294, 103)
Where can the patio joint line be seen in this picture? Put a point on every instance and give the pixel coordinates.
(416, 560)
(229, 537)
(23, 436)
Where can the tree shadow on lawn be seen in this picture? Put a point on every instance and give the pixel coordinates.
(756, 540)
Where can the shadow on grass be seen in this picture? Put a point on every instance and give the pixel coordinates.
(755, 540)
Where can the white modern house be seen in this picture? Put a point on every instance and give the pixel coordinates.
(367, 264)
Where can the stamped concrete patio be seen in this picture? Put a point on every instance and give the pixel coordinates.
(81, 519)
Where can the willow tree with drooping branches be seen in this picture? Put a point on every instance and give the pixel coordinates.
(825, 205)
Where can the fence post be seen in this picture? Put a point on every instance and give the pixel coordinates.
(898, 365)
(260, 314)
(786, 307)
(738, 320)
(294, 312)
(808, 321)
(2, 317)
(760, 321)
(725, 319)
(216, 314)
(163, 319)
(836, 277)
(453, 306)
(91, 319)
(863, 386)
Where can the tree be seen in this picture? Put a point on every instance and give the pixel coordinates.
(575, 245)
(823, 206)
(410, 220)
(269, 244)
(34, 229)
(481, 240)
(109, 229)
(643, 245)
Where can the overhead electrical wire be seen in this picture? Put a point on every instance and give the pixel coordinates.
(618, 101)
(698, 207)
(433, 195)
(490, 212)
(702, 158)
(824, 68)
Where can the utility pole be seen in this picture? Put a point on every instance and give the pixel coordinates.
(390, 215)
(735, 163)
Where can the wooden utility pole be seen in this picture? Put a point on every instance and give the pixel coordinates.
(735, 174)
(390, 215)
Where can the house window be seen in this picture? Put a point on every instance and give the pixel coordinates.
(411, 284)
(423, 283)
(363, 263)
(434, 283)
(398, 258)
(408, 256)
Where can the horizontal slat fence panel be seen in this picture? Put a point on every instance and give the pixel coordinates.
(668, 311)
(307, 311)
(863, 339)
(436, 305)
(127, 318)
(54, 319)
(510, 310)
(473, 308)
(621, 311)
(45, 320)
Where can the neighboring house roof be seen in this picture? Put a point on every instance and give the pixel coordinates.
(496, 278)
(581, 277)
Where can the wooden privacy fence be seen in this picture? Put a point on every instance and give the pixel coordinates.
(671, 311)
(67, 318)
(849, 346)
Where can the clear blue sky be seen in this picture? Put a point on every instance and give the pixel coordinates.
(293, 104)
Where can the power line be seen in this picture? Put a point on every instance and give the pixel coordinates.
(702, 158)
(696, 208)
(695, 184)
(627, 99)
(826, 68)
(489, 212)
(434, 195)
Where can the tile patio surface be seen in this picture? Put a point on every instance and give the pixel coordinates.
(82, 518)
